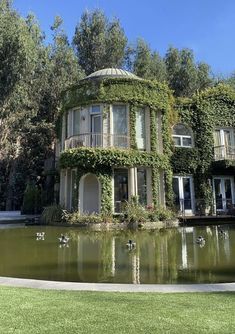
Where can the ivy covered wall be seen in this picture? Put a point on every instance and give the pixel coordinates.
(100, 161)
(215, 107)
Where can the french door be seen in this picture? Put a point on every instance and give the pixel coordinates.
(96, 130)
(223, 192)
(183, 190)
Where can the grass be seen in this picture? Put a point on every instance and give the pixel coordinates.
(42, 311)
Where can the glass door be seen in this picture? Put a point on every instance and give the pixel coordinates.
(120, 188)
(96, 128)
(223, 193)
(182, 187)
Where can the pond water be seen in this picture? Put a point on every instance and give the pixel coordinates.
(166, 256)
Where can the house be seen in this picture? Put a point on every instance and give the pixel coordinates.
(203, 160)
(112, 142)
(123, 136)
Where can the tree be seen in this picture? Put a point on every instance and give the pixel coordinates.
(184, 76)
(145, 63)
(98, 42)
(32, 77)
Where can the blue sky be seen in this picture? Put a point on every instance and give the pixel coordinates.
(206, 26)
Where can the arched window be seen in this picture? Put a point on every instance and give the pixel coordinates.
(182, 135)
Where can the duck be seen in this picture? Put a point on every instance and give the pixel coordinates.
(63, 239)
(200, 240)
(131, 244)
(40, 234)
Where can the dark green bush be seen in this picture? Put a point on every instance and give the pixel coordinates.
(53, 214)
(32, 203)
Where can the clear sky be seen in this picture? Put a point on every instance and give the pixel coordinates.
(206, 26)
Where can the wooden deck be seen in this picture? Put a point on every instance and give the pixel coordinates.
(207, 220)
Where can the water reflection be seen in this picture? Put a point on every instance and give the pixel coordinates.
(168, 256)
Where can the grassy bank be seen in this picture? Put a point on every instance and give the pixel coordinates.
(37, 311)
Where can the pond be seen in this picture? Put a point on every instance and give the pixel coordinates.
(166, 256)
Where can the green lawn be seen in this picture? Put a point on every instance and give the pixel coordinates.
(40, 311)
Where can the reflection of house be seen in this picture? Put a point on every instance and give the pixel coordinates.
(112, 126)
(117, 141)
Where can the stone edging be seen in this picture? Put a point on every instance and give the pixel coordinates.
(162, 288)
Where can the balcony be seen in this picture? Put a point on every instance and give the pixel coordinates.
(224, 152)
(97, 140)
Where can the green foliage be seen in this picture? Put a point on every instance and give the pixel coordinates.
(76, 218)
(53, 214)
(98, 42)
(160, 213)
(184, 76)
(212, 108)
(134, 212)
(31, 200)
(147, 64)
(136, 92)
(104, 158)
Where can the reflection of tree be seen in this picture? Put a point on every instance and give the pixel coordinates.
(135, 266)
(107, 257)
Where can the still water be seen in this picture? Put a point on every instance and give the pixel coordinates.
(168, 256)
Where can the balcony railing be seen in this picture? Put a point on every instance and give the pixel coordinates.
(97, 140)
(224, 152)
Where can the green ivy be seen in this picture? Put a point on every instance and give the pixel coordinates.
(100, 161)
(214, 107)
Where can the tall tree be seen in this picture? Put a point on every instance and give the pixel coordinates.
(184, 76)
(98, 42)
(145, 63)
(32, 77)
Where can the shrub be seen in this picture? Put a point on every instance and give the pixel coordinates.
(53, 214)
(32, 200)
(77, 218)
(160, 213)
(134, 212)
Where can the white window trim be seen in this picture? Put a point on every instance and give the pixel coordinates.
(181, 192)
(181, 140)
(223, 177)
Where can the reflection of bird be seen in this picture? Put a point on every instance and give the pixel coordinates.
(131, 244)
(63, 239)
(40, 235)
(200, 240)
(223, 233)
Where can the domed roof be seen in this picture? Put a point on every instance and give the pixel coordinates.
(112, 72)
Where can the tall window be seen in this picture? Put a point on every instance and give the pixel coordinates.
(182, 135)
(120, 125)
(73, 123)
(140, 128)
(224, 143)
(76, 122)
(120, 188)
(142, 186)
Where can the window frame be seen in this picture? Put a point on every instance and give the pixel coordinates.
(182, 137)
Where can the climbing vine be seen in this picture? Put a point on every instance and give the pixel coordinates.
(215, 107)
(100, 161)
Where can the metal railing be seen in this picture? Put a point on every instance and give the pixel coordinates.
(97, 140)
(223, 152)
(201, 208)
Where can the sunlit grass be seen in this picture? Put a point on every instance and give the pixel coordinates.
(43, 311)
